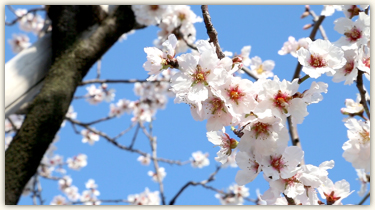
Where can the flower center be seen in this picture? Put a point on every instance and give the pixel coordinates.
(365, 135)
(154, 7)
(216, 104)
(331, 198)
(353, 34)
(367, 62)
(317, 61)
(281, 101)
(277, 163)
(290, 181)
(181, 16)
(199, 76)
(353, 11)
(348, 68)
(235, 94)
(260, 69)
(260, 128)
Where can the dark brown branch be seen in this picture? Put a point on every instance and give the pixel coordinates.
(364, 199)
(103, 201)
(211, 31)
(321, 29)
(290, 200)
(202, 183)
(118, 81)
(362, 92)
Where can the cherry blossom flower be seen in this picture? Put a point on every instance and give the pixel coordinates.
(355, 33)
(282, 164)
(145, 198)
(350, 10)
(144, 160)
(238, 96)
(199, 159)
(357, 148)
(362, 177)
(231, 161)
(122, 106)
(348, 72)
(264, 136)
(234, 196)
(313, 95)
(97, 95)
(321, 57)
(77, 162)
(277, 99)
(158, 60)
(364, 61)
(328, 10)
(291, 46)
(353, 108)
(89, 137)
(250, 168)
(198, 74)
(215, 110)
(59, 200)
(161, 174)
(70, 114)
(19, 42)
(262, 69)
(150, 14)
(29, 22)
(225, 142)
(334, 193)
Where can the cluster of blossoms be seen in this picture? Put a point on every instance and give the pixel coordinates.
(260, 109)
(152, 96)
(145, 198)
(28, 22)
(234, 196)
(88, 196)
(171, 19)
(97, 95)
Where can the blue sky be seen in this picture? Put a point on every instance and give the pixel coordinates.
(117, 172)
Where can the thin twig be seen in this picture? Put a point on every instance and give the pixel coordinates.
(249, 73)
(364, 199)
(99, 120)
(211, 31)
(118, 81)
(124, 132)
(12, 124)
(102, 201)
(321, 29)
(290, 200)
(134, 137)
(202, 183)
(20, 17)
(156, 165)
(362, 92)
(112, 141)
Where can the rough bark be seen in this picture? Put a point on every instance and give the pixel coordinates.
(73, 58)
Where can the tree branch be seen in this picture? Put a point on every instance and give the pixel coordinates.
(362, 92)
(211, 31)
(364, 199)
(71, 62)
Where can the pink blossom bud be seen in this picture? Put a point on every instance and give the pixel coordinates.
(305, 14)
(307, 26)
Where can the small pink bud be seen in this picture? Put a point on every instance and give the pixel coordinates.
(307, 26)
(237, 60)
(305, 14)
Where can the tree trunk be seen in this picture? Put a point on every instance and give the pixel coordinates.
(76, 46)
